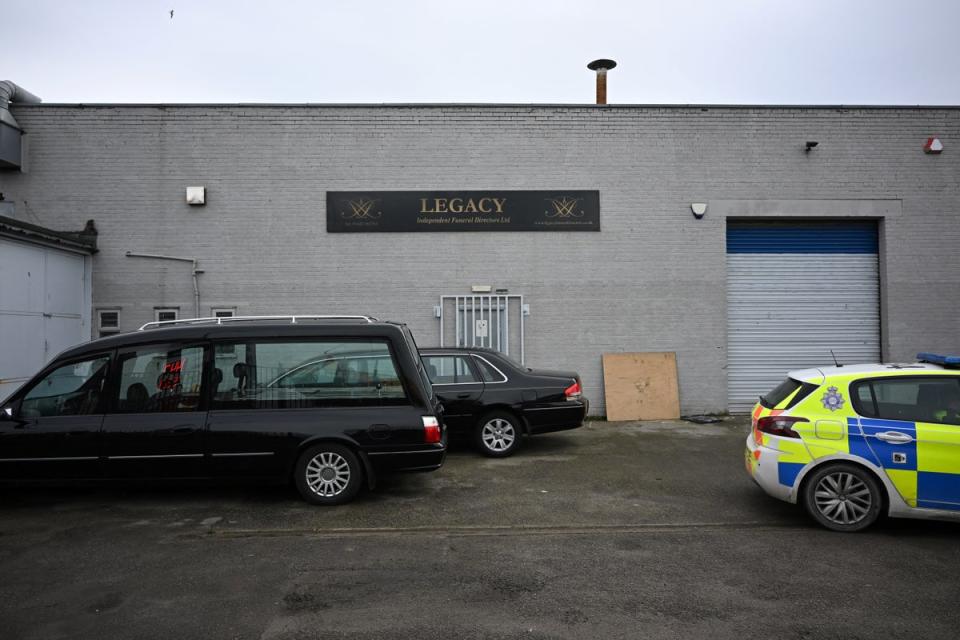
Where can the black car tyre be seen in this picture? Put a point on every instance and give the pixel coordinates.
(497, 434)
(843, 497)
(328, 474)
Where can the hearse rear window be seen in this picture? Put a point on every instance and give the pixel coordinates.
(305, 374)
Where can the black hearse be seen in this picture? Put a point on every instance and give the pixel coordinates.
(229, 398)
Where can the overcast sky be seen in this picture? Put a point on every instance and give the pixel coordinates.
(669, 51)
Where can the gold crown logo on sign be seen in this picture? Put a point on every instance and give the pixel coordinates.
(361, 209)
(564, 207)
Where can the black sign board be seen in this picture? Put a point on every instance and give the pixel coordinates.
(372, 211)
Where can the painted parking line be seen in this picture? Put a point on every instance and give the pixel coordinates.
(494, 531)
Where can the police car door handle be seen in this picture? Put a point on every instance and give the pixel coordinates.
(894, 437)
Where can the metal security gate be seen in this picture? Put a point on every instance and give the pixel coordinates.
(796, 291)
(491, 321)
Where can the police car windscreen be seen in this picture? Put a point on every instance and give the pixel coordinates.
(780, 393)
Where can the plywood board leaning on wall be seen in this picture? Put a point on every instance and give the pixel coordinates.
(641, 386)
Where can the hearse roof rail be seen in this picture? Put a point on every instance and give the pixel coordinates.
(290, 319)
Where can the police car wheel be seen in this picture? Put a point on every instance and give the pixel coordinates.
(843, 497)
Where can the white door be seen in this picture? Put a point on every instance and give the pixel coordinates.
(45, 302)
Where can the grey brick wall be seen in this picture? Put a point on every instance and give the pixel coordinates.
(652, 280)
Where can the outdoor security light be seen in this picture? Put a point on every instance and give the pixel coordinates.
(196, 195)
(810, 145)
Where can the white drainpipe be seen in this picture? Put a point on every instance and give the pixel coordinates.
(196, 272)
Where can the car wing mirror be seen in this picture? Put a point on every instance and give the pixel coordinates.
(7, 413)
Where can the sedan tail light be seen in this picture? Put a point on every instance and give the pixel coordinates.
(779, 426)
(573, 391)
(431, 430)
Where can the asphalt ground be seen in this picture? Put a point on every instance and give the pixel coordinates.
(615, 530)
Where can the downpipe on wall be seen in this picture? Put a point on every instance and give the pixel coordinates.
(195, 272)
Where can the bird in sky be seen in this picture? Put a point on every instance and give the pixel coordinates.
(171, 14)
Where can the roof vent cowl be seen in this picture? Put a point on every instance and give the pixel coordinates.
(10, 131)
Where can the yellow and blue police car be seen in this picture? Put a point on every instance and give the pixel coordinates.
(851, 443)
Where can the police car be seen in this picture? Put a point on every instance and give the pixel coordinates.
(851, 443)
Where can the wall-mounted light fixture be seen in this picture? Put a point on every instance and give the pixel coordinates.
(196, 195)
(810, 145)
(699, 209)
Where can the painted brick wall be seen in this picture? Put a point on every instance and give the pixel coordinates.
(652, 280)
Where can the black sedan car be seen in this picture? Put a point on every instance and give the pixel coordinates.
(497, 401)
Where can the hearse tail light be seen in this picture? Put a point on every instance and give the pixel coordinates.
(573, 391)
(779, 426)
(431, 430)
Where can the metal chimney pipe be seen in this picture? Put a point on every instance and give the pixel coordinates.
(601, 67)
(11, 133)
(9, 92)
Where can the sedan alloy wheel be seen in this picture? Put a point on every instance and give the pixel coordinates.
(498, 435)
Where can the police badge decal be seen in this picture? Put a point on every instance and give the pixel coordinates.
(832, 399)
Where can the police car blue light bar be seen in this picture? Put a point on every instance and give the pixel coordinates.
(935, 358)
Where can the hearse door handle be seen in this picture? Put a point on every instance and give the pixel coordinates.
(463, 396)
(894, 437)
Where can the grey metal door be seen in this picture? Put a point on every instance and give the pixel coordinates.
(794, 293)
(492, 321)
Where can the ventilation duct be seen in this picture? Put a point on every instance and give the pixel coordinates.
(11, 153)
